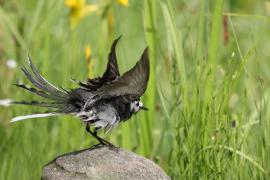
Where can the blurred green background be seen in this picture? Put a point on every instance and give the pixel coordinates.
(208, 91)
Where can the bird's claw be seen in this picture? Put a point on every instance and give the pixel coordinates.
(109, 145)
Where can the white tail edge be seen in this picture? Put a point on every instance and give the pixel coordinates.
(31, 116)
(5, 102)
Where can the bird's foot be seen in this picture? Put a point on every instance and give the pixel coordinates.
(96, 146)
(114, 148)
(103, 142)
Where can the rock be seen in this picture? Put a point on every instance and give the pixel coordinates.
(102, 163)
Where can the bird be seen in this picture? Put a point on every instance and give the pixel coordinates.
(100, 103)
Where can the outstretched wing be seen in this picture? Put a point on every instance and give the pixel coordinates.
(111, 73)
(132, 84)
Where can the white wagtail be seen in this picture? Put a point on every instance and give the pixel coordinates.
(101, 103)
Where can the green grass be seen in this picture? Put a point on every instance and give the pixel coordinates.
(208, 100)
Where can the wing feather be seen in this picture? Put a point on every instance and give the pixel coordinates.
(132, 84)
(111, 73)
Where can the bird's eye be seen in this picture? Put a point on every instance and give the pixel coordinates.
(137, 103)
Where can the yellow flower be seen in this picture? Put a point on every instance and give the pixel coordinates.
(78, 10)
(123, 2)
(89, 62)
(73, 3)
(88, 52)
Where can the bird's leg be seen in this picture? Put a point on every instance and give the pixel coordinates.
(94, 134)
(101, 140)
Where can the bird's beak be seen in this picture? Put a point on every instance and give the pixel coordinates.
(144, 108)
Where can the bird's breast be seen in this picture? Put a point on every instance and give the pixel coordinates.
(124, 111)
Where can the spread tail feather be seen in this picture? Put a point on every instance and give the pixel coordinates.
(5, 102)
(47, 89)
(31, 116)
(60, 99)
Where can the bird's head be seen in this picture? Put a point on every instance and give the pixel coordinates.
(137, 105)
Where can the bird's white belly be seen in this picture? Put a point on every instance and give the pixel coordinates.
(103, 117)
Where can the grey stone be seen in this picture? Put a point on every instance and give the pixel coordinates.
(102, 164)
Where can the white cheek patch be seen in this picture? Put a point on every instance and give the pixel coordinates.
(131, 106)
(135, 106)
(140, 104)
